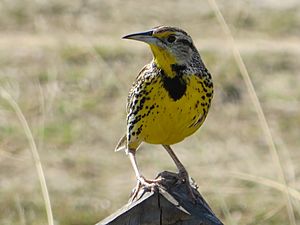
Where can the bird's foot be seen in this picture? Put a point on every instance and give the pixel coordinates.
(146, 185)
(149, 182)
(182, 178)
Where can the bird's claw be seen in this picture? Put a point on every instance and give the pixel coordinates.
(147, 185)
(181, 178)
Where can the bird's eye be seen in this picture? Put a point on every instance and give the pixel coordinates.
(171, 38)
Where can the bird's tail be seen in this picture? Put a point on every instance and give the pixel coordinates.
(122, 144)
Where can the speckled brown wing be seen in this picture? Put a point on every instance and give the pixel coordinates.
(140, 78)
(122, 144)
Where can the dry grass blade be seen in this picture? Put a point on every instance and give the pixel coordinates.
(256, 102)
(5, 95)
(270, 183)
(226, 211)
(20, 210)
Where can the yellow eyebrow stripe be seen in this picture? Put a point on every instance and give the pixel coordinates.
(163, 34)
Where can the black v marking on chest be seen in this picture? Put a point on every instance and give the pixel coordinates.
(175, 86)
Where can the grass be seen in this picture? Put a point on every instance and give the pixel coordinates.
(258, 108)
(35, 154)
(69, 72)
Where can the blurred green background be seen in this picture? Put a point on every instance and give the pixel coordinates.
(69, 71)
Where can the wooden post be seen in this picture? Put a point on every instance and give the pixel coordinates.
(170, 204)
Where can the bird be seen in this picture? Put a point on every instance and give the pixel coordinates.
(170, 98)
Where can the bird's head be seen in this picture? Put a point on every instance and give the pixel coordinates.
(170, 45)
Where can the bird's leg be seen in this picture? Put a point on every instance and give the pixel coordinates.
(141, 181)
(140, 178)
(183, 174)
(181, 169)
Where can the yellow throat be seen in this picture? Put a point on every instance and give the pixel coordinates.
(163, 59)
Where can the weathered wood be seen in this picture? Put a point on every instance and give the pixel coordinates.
(170, 204)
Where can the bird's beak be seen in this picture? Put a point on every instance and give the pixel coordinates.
(145, 36)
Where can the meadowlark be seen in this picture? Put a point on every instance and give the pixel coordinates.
(170, 97)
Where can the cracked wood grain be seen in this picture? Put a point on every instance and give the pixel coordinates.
(170, 204)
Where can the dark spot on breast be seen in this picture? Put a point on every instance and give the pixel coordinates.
(208, 95)
(175, 86)
(130, 127)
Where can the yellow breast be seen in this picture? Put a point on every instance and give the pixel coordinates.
(166, 117)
